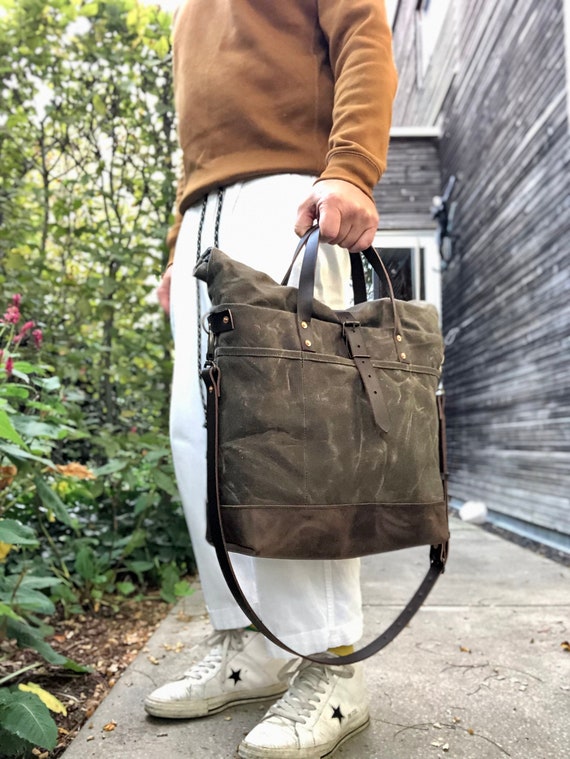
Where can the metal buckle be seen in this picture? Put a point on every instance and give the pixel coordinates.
(438, 556)
(351, 324)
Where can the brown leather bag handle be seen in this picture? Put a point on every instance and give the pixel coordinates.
(356, 270)
(305, 291)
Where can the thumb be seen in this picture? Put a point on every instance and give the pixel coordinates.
(306, 215)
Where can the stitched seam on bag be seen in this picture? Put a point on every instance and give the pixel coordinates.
(323, 358)
(294, 506)
(304, 427)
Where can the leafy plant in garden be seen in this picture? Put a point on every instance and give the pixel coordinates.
(29, 428)
(88, 508)
(87, 149)
(83, 561)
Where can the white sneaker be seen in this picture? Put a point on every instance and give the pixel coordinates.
(323, 707)
(237, 670)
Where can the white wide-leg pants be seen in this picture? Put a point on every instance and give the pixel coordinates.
(311, 605)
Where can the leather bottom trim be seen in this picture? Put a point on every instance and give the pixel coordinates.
(332, 532)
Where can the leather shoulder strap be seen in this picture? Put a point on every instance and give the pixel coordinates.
(438, 554)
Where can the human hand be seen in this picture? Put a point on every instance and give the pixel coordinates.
(163, 290)
(346, 215)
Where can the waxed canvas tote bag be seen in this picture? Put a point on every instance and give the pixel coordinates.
(325, 429)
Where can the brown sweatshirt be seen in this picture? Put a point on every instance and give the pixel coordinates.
(281, 86)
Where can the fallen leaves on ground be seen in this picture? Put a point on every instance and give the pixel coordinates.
(106, 641)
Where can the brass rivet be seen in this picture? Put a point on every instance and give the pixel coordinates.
(402, 355)
(399, 338)
(226, 320)
(304, 325)
(210, 389)
(308, 343)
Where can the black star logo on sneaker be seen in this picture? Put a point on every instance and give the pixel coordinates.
(337, 714)
(235, 676)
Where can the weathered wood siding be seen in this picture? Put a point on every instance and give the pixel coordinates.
(421, 107)
(411, 180)
(506, 292)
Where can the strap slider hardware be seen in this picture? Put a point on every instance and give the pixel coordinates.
(353, 325)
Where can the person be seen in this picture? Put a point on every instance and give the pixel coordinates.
(284, 112)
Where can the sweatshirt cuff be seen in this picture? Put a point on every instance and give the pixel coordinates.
(352, 167)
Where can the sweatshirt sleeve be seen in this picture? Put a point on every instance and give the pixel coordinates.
(360, 50)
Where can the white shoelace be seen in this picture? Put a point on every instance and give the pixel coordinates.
(301, 698)
(220, 642)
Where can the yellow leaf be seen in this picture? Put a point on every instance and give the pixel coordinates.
(91, 9)
(5, 549)
(162, 46)
(133, 16)
(52, 703)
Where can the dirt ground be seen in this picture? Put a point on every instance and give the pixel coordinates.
(107, 641)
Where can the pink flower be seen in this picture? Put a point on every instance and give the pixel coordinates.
(12, 315)
(16, 300)
(38, 338)
(26, 328)
(9, 366)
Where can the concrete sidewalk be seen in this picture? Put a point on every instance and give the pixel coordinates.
(480, 672)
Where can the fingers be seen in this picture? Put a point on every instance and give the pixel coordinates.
(346, 215)
(333, 225)
(365, 240)
(163, 291)
(306, 216)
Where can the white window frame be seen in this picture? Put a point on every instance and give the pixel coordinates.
(415, 241)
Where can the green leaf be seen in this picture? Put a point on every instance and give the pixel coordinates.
(8, 432)
(25, 367)
(50, 383)
(19, 454)
(17, 534)
(182, 589)
(52, 501)
(165, 482)
(25, 716)
(29, 600)
(137, 540)
(32, 428)
(12, 745)
(14, 391)
(32, 581)
(126, 588)
(143, 502)
(110, 468)
(6, 611)
(139, 566)
(99, 105)
(85, 563)
(26, 637)
(162, 47)
(47, 698)
(90, 9)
